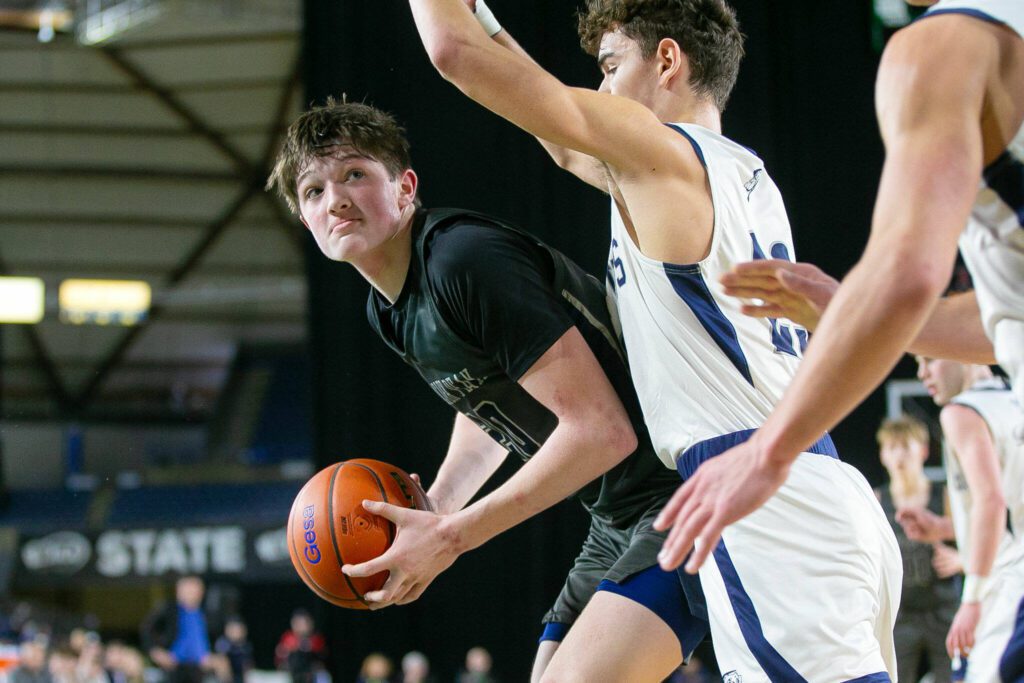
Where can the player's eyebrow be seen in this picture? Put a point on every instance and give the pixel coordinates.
(342, 158)
(604, 57)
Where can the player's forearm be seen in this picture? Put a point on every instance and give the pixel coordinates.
(954, 331)
(574, 455)
(988, 521)
(472, 458)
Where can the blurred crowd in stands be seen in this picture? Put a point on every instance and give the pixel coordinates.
(175, 646)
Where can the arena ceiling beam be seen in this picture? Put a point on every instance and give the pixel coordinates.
(252, 176)
(43, 360)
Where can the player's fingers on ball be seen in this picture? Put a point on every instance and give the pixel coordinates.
(416, 478)
(386, 510)
(366, 568)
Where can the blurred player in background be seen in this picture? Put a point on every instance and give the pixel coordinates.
(929, 597)
(985, 472)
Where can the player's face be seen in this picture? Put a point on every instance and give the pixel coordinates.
(943, 379)
(626, 72)
(351, 203)
(902, 457)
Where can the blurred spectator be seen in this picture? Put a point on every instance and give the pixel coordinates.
(235, 646)
(301, 650)
(31, 663)
(63, 662)
(416, 668)
(930, 597)
(89, 668)
(376, 668)
(478, 667)
(124, 664)
(175, 636)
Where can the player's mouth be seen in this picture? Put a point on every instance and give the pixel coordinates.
(343, 226)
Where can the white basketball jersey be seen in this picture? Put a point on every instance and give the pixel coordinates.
(993, 243)
(993, 401)
(701, 368)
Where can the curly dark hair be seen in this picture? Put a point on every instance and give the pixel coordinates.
(319, 131)
(706, 30)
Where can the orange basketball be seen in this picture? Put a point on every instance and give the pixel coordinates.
(328, 526)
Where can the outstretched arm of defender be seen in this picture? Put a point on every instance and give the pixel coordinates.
(586, 168)
(583, 166)
(649, 161)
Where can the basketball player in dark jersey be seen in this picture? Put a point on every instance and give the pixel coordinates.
(519, 340)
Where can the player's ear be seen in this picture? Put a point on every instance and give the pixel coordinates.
(672, 62)
(303, 219)
(407, 185)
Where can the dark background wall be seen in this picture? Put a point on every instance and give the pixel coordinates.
(804, 102)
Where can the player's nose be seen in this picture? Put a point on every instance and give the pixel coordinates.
(338, 200)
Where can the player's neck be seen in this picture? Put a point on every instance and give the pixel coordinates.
(387, 268)
(676, 109)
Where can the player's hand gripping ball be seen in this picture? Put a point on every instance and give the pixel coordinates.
(328, 526)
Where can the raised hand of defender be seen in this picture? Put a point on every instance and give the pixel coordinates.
(724, 489)
(423, 548)
(775, 288)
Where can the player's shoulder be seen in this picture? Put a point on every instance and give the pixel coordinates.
(472, 244)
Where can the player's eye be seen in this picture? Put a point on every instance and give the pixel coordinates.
(355, 174)
(311, 192)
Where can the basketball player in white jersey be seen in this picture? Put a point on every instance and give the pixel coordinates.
(689, 203)
(950, 99)
(985, 475)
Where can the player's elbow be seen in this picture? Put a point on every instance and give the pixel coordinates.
(616, 438)
(447, 54)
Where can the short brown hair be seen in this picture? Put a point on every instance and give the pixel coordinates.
(904, 429)
(318, 133)
(706, 30)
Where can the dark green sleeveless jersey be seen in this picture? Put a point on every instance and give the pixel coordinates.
(482, 302)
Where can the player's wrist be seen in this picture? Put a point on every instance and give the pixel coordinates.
(455, 530)
(771, 452)
(975, 589)
(486, 17)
